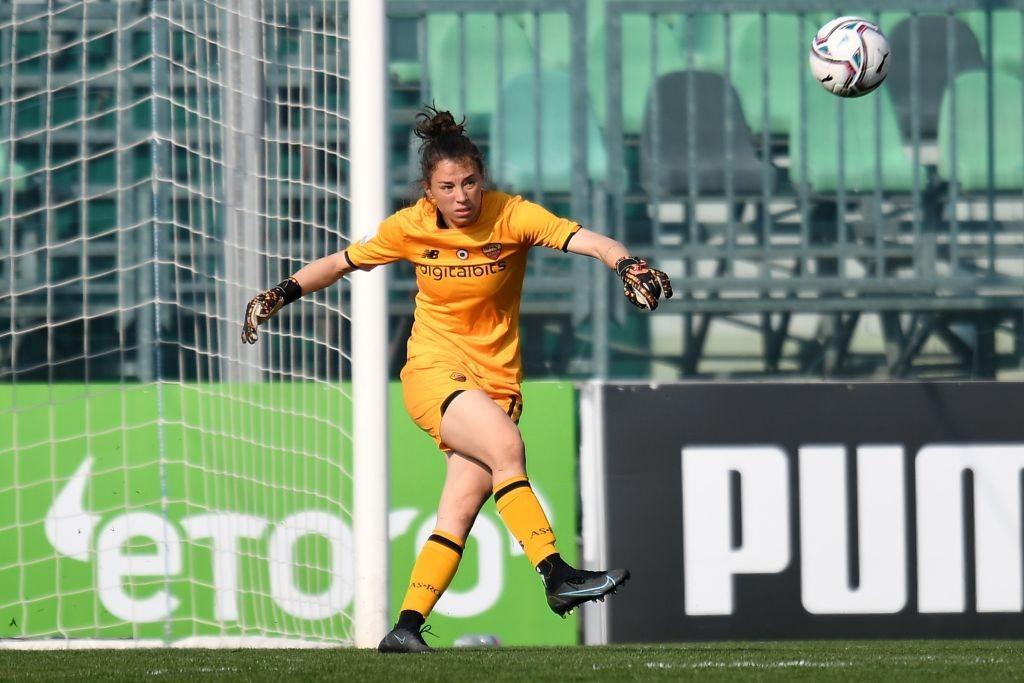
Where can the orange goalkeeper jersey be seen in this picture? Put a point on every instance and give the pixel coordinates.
(470, 279)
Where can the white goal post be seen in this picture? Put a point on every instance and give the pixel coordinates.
(369, 164)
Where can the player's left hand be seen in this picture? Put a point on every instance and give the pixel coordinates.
(261, 308)
(643, 285)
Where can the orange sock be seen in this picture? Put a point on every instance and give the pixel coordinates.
(433, 572)
(521, 511)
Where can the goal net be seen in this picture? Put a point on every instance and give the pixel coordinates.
(160, 163)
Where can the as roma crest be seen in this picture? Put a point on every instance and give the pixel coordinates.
(492, 250)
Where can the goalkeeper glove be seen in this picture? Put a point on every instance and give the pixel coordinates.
(265, 305)
(642, 285)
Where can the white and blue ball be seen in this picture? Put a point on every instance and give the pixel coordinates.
(849, 56)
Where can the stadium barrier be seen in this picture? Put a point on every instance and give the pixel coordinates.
(107, 539)
(786, 510)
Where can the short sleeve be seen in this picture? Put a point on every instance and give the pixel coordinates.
(537, 226)
(379, 249)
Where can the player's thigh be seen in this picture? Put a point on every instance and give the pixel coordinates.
(474, 424)
(427, 390)
(467, 485)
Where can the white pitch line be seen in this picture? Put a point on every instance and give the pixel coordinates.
(748, 664)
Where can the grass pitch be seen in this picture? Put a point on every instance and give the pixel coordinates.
(810, 660)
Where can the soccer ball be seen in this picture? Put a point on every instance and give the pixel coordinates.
(849, 56)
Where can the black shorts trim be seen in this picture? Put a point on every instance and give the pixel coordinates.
(446, 542)
(511, 487)
(451, 397)
(512, 406)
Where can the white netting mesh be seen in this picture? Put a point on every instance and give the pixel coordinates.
(159, 164)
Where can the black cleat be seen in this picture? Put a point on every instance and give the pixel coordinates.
(405, 640)
(582, 586)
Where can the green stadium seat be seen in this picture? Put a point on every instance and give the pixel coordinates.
(971, 126)
(437, 27)
(555, 38)
(884, 20)
(708, 34)
(858, 144)
(11, 172)
(665, 169)
(481, 67)
(30, 53)
(595, 15)
(555, 53)
(405, 71)
(636, 67)
(1007, 38)
(704, 34)
(513, 163)
(403, 50)
(101, 52)
(786, 57)
(931, 80)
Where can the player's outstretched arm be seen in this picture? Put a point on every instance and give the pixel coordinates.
(310, 278)
(642, 285)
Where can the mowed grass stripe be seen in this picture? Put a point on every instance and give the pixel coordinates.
(811, 660)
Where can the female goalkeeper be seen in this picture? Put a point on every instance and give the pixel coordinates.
(461, 382)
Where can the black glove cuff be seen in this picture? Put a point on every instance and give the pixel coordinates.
(291, 290)
(624, 264)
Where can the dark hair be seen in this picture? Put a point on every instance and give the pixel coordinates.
(444, 139)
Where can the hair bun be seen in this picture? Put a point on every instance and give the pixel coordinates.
(432, 124)
(442, 138)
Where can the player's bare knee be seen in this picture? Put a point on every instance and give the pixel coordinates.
(508, 451)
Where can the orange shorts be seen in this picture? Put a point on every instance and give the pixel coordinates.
(429, 385)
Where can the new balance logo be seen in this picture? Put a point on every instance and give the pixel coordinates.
(431, 253)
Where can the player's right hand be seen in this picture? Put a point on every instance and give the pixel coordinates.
(641, 284)
(262, 308)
